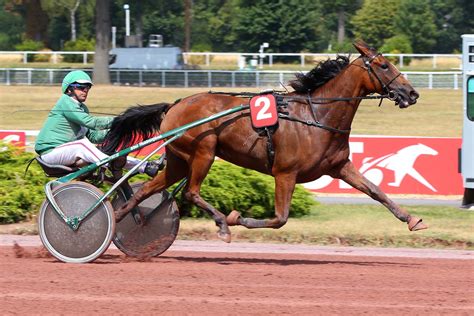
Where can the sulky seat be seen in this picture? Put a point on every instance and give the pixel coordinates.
(55, 170)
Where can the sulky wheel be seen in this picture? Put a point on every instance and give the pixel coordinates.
(95, 232)
(157, 233)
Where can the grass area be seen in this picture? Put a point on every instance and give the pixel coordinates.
(355, 225)
(437, 113)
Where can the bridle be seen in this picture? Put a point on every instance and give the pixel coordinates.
(390, 94)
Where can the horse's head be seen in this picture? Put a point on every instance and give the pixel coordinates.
(385, 77)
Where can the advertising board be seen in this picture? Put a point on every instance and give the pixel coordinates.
(402, 165)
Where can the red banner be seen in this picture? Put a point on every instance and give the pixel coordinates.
(17, 138)
(402, 165)
(140, 153)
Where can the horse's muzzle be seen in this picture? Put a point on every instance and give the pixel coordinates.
(403, 100)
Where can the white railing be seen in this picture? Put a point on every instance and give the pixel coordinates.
(207, 78)
(54, 55)
(209, 58)
(305, 58)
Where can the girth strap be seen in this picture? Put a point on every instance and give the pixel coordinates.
(270, 149)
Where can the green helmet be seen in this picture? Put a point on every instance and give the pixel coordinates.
(78, 76)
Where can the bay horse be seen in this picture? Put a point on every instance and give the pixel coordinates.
(312, 138)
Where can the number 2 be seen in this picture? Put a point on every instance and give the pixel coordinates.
(263, 113)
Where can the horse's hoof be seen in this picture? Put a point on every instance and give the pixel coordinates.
(415, 224)
(233, 218)
(226, 237)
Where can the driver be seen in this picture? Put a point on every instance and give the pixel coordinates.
(70, 132)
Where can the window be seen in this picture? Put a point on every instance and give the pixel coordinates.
(470, 98)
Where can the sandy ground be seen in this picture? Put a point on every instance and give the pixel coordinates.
(196, 278)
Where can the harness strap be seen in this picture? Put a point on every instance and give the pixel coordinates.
(270, 149)
(314, 123)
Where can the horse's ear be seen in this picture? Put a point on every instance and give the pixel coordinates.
(364, 49)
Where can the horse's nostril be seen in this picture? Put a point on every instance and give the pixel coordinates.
(414, 95)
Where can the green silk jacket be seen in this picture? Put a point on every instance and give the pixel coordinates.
(69, 120)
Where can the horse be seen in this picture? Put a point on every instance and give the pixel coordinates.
(311, 138)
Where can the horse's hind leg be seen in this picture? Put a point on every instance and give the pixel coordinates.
(284, 187)
(175, 170)
(352, 176)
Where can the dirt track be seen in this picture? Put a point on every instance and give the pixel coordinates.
(235, 282)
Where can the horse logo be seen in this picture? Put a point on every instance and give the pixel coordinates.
(9, 139)
(401, 163)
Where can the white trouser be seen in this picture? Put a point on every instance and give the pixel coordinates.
(67, 154)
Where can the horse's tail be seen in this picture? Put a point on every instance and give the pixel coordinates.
(135, 124)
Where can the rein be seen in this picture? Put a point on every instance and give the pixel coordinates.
(306, 100)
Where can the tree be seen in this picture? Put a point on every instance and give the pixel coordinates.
(415, 19)
(11, 28)
(342, 11)
(289, 26)
(59, 7)
(374, 22)
(166, 18)
(452, 18)
(102, 42)
(36, 19)
(187, 24)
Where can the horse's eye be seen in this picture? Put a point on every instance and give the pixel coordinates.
(384, 66)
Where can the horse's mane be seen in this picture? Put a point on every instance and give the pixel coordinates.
(319, 75)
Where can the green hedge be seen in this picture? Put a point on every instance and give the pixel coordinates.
(227, 187)
(81, 44)
(20, 196)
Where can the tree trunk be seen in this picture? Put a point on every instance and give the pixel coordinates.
(187, 25)
(139, 22)
(102, 41)
(73, 25)
(36, 21)
(341, 26)
(72, 13)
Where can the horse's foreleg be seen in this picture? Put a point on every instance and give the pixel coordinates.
(199, 167)
(284, 187)
(192, 195)
(352, 176)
